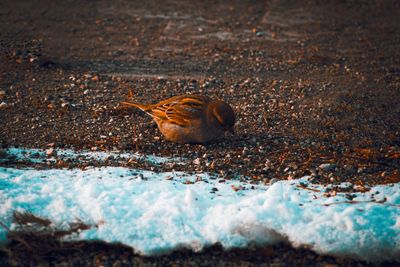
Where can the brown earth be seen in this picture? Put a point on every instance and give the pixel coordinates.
(312, 82)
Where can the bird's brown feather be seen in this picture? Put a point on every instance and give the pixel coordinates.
(177, 110)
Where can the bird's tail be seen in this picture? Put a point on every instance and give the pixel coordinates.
(144, 108)
(136, 105)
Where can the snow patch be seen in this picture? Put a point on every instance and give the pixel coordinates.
(40, 156)
(158, 212)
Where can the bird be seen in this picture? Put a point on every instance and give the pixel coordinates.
(191, 119)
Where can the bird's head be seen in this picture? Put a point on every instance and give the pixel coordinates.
(224, 114)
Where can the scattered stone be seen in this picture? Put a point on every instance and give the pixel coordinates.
(272, 181)
(3, 105)
(117, 263)
(64, 104)
(214, 189)
(327, 166)
(196, 161)
(50, 152)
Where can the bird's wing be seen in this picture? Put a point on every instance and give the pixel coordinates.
(180, 110)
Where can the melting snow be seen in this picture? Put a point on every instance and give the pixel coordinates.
(39, 156)
(158, 212)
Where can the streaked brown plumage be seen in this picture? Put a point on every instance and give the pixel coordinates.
(190, 118)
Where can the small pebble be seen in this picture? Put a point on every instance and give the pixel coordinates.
(3, 105)
(326, 166)
(196, 161)
(50, 152)
(272, 181)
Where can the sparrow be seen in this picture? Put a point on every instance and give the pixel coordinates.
(190, 118)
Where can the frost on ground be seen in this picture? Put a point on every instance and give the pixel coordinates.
(50, 155)
(159, 212)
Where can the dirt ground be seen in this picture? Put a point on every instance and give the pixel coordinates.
(312, 82)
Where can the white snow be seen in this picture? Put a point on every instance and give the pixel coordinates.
(39, 156)
(159, 212)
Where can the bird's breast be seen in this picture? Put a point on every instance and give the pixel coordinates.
(197, 132)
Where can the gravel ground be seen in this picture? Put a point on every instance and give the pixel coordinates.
(315, 85)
